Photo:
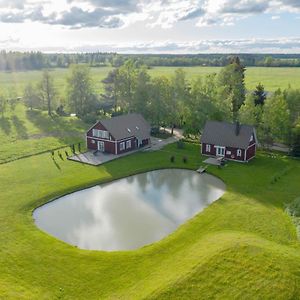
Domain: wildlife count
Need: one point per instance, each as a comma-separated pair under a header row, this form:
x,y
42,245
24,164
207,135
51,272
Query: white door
x,y
220,151
101,146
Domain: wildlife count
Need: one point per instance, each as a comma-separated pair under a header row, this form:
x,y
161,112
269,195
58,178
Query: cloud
x,y
19,4
11,41
78,18
154,13
281,45
34,15
193,14
275,17
119,5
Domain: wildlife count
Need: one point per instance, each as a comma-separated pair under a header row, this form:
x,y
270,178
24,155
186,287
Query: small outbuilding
x,y
119,134
232,141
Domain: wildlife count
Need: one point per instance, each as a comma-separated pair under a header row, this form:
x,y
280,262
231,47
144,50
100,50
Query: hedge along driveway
x,y
248,225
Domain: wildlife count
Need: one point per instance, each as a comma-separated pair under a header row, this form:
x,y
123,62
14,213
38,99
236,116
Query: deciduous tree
x,y
79,90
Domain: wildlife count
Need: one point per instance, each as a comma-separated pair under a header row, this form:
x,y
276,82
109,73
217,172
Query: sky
x,y
151,26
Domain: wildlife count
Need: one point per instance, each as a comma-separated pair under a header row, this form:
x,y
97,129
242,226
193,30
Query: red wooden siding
x,y
251,152
133,145
212,151
230,152
91,143
111,145
234,154
100,127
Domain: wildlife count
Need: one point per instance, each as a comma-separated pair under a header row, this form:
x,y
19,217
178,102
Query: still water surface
x,y
129,213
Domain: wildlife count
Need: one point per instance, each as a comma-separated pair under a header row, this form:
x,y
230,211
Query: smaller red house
x,y
119,134
231,141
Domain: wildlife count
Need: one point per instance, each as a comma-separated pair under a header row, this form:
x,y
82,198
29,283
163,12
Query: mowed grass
x,y
273,78
243,246
24,132
15,82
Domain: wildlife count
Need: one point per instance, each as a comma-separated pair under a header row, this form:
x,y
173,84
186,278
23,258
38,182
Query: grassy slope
x,y
272,78
27,132
242,246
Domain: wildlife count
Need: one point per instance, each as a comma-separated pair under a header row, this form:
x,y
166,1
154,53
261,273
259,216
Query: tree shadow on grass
x,y
5,125
60,127
21,130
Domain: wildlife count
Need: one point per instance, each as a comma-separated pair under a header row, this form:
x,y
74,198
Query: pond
x,y
131,212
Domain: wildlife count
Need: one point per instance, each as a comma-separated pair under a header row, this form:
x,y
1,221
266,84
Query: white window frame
x,y
228,152
239,152
220,151
101,133
128,144
208,148
101,146
122,146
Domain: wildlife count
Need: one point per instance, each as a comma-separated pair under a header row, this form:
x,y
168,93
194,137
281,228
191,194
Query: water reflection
x,y
131,212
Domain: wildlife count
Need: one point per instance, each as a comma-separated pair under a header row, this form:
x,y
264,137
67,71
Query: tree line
x,y
18,61
173,101
187,104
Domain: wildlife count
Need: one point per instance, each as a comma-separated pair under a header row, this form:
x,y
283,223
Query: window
x,y
239,152
220,151
93,142
122,146
207,148
100,133
228,152
251,138
128,144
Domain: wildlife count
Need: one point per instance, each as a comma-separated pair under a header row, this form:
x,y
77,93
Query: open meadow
x,y
272,78
241,246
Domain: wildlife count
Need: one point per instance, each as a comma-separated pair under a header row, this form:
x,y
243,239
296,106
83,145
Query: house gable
x,y
119,134
99,126
239,142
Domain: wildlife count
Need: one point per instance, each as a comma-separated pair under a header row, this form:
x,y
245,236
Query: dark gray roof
x,y
125,126
224,134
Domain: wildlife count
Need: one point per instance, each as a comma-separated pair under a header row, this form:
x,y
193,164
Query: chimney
x,y
237,128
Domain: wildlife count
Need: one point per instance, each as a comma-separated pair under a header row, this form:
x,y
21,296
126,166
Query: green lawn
x,y
243,246
272,78
24,132
14,82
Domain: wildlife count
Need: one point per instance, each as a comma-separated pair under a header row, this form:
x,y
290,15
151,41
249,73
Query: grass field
x,y
243,246
25,132
272,78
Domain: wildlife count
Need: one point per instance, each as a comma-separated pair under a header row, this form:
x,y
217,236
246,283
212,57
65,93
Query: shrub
x,y
73,148
172,159
184,159
60,155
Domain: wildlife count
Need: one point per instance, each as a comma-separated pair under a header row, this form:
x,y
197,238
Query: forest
x,y
21,61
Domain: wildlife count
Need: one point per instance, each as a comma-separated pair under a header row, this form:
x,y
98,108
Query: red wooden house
x,y
231,141
119,134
